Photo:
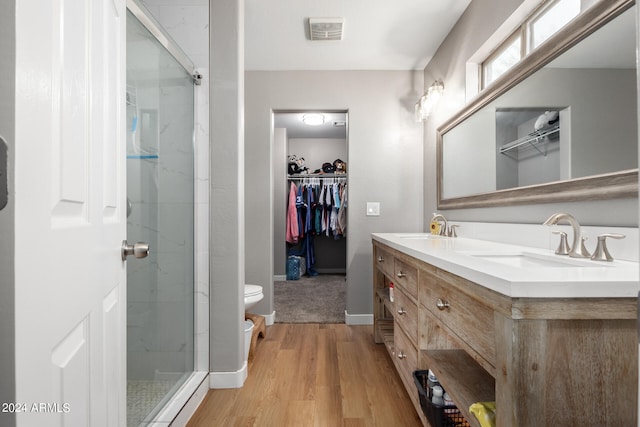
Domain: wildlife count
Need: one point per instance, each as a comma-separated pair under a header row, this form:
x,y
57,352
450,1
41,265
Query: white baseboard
x,y
228,379
358,319
192,404
279,277
270,319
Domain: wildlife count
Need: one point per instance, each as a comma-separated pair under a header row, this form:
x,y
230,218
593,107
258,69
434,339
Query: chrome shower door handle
x,y
138,250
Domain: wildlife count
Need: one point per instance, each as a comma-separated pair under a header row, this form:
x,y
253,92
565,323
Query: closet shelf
x,y
532,139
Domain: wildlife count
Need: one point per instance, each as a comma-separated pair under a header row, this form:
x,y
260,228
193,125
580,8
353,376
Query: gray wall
x,y
479,21
384,163
227,186
317,151
7,133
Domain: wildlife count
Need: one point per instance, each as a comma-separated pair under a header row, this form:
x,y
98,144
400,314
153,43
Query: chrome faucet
x,y
439,217
577,250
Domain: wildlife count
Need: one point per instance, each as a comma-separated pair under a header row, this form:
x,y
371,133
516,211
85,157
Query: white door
x,y
70,213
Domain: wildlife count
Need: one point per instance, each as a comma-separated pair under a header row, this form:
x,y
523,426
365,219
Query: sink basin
x,y
533,260
419,236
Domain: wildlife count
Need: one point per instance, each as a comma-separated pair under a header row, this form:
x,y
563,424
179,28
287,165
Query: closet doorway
x,y
310,209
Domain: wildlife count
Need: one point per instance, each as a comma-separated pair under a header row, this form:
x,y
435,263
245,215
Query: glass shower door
x,y
160,199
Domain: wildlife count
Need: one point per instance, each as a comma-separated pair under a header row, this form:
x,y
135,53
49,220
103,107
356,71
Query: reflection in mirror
x,y
574,118
529,146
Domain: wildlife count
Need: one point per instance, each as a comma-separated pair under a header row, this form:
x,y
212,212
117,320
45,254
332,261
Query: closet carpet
x,y
319,299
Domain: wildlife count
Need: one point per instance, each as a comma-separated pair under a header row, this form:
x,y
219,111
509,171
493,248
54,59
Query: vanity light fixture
x,y
313,119
429,100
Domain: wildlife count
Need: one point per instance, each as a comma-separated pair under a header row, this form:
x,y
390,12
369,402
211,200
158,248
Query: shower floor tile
x,y
143,396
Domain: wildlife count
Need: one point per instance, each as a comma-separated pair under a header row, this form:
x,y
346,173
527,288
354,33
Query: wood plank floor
x,y
313,375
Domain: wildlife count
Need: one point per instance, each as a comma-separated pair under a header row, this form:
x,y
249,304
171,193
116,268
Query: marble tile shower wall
x,y
140,307
161,192
187,21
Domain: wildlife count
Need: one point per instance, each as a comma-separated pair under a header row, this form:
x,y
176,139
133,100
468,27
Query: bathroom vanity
x,y
552,340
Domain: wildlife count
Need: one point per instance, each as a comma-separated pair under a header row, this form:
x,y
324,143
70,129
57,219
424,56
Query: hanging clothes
x,y
314,209
328,203
301,209
317,210
320,209
292,216
335,228
342,212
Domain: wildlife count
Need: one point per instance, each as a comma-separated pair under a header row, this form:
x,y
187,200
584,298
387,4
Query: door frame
x,y
279,180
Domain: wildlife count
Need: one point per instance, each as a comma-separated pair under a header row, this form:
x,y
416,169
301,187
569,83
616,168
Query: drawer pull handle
x,y
441,304
401,355
380,259
401,274
402,311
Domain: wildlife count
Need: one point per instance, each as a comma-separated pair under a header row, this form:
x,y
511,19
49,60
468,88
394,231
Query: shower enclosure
x,y
160,201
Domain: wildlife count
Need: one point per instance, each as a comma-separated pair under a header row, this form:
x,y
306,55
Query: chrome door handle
x,y
401,355
138,250
380,259
402,311
401,274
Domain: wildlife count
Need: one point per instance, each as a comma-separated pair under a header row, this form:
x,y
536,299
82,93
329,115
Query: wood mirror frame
x,y
622,184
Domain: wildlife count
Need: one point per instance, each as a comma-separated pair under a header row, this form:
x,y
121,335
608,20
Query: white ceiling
x,y
331,128
378,34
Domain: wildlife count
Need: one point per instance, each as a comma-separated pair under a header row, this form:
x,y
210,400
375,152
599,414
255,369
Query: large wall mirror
x,y
562,125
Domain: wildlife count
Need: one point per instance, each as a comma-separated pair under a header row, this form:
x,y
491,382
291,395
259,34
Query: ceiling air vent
x,y
326,28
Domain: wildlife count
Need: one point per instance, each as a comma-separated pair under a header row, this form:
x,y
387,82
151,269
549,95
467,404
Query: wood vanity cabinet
x,y
544,361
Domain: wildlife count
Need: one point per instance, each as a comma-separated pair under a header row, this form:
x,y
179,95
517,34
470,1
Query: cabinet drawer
x,y
406,315
407,277
405,357
467,317
384,261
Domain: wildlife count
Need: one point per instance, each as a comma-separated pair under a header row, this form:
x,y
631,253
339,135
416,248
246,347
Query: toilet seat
x,y
252,296
252,290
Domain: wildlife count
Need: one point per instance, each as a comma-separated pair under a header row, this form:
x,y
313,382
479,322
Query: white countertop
x,y
519,271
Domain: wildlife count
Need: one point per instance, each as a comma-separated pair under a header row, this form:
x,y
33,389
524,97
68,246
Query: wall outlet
x,y
373,208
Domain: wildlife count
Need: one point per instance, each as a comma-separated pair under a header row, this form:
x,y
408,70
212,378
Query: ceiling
x,y
378,34
334,126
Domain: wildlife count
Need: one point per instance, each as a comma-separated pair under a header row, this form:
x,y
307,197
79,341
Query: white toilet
x,y
252,295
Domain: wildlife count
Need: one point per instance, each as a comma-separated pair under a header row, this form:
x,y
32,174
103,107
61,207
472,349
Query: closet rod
x,y
298,177
531,139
